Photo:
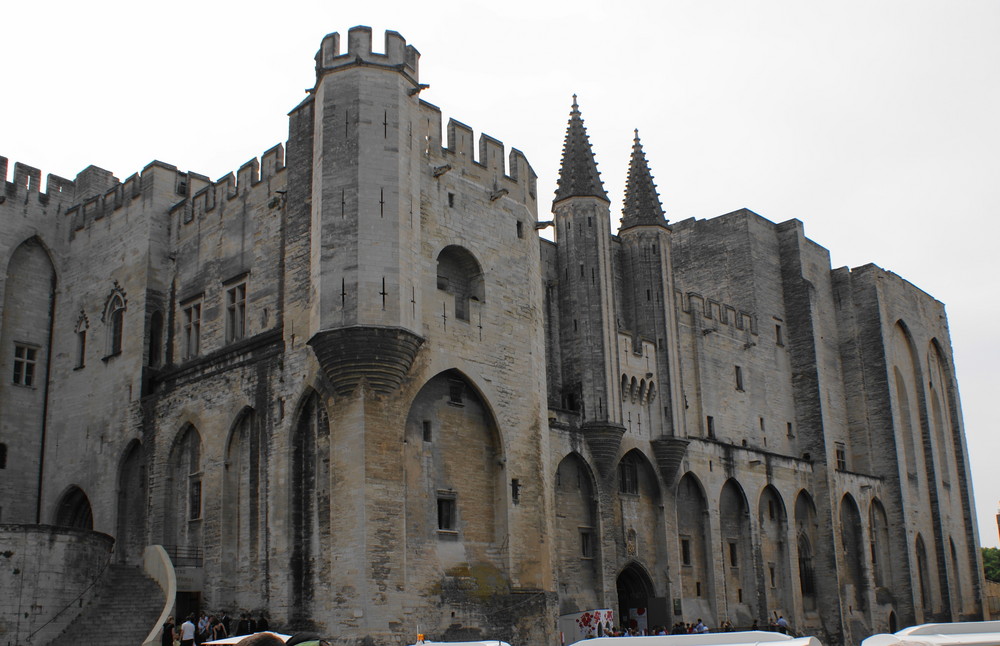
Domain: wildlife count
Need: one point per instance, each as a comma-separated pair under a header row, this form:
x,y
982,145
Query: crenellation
x,y
247,175
699,306
272,161
28,177
460,141
397,54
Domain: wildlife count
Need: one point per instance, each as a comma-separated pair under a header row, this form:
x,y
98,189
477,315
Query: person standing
x,y
782,625
168,634
187,631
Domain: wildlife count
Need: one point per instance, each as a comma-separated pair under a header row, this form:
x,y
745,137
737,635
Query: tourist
x,y
168,635
187,631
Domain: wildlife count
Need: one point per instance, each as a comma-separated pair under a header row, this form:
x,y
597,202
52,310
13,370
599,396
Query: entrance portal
x,y
635,593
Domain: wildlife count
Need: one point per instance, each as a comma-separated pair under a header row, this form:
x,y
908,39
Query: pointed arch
x,y
29,290
851,540
772,519
737,553
925,599
183,505
635,589
310,503
878,523
578,535
694,538
906,375
242,505
73,509
807,539
114,319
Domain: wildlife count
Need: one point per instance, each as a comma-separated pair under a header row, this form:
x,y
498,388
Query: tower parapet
x,y
28,179
397,54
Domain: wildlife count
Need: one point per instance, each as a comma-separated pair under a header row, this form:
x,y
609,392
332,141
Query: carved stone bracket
x,y
604,439
669,452
382,355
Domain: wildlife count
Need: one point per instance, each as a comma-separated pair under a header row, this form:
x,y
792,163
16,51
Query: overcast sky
x,y
873,122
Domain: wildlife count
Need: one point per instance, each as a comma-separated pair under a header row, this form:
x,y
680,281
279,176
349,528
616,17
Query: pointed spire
x,y
642,202
578,176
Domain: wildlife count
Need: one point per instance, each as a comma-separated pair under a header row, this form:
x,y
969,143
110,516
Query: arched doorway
x,y
635,590
74,510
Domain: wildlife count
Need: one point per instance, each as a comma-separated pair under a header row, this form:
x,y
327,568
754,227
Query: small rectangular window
x,y
739,378
81,347
790,433
236,311
734,560
779,339
428,430
520,229
25,359
685,551
770,569
586,543
841,456
628,481
3,456
451,200
697,588
446,513
710,426
456,391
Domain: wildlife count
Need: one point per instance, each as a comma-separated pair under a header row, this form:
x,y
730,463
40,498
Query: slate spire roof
x,y
578,175
642,202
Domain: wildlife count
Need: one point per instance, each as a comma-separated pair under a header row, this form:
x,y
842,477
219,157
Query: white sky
x,y
873,122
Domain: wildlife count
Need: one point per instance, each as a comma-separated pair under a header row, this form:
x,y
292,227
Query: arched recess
x,y
736,547
638,511
25,335
807,540
851,539
243,493
882,570
456,505
578,557
460,274
693,534
183,526
310,501
906,375
938,390
74,510
773,520
927,599
635,589
131,524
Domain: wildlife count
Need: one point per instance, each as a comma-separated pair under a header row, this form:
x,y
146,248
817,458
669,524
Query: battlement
x,y
206,198
405,58
512,171
28,179
695,304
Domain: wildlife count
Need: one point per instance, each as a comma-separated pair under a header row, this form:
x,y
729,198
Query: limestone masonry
x,y
350,385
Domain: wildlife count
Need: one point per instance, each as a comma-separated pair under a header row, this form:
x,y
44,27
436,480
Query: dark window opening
x,y
427,430
739,595
3,456
734,560
456,392
25,359
586,544
841,457
697,588
739,378
194,500
710,426
236,312
685,551
628,476
770,569
520,229
778,336
451,200
446,514
790,433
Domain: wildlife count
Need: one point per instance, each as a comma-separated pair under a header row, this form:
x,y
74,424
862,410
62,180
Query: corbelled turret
x,y
578,175
642,202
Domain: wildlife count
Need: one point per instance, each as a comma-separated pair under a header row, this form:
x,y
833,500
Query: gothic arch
x,y
635,589
736,547
73,509
807,541
113,317
775,566
926,599
693,534
906,375
578,555
310,493
878,523
242,506
131,522
851,539
183,527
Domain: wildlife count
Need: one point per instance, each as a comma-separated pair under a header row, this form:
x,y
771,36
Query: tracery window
x,y
114,318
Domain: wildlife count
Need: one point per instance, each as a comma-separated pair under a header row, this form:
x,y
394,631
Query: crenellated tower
x,y
648,300
586,299
365,199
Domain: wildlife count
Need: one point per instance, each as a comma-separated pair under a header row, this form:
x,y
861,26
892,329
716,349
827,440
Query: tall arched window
x,y
459,274
114,319
81,339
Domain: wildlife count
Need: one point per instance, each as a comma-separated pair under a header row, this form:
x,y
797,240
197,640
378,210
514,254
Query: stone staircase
x,y
122,613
